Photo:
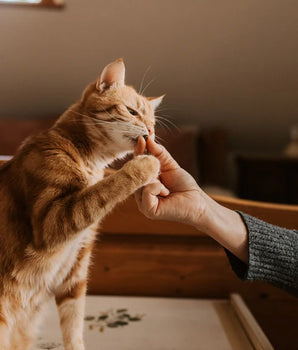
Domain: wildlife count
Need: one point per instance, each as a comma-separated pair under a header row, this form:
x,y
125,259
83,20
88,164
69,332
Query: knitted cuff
x,y
273,255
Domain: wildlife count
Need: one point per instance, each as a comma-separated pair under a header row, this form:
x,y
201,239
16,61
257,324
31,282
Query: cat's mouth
x,y
135,139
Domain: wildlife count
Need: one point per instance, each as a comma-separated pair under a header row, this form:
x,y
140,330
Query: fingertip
x,y
140,146
164,192
153,147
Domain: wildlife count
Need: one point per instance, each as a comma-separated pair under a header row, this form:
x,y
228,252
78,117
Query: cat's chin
x,y
124,154
128,144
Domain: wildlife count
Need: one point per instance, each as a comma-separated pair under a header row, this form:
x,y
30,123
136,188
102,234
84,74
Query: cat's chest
x,y
43,273
64,261
93,172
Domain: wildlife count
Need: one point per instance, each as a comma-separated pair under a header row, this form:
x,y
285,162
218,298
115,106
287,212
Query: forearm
x,y
58,219
256,250
225,226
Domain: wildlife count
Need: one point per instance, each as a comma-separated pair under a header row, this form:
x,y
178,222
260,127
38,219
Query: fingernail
x,y
165,191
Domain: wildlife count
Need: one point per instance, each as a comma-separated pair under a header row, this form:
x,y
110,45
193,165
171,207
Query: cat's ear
x,y
112,75
155,101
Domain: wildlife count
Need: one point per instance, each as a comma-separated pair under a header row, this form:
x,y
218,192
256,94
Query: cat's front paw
x,y
143,169
74,346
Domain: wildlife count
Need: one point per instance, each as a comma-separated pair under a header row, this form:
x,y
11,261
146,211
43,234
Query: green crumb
x,y
102,317
89,318
121,310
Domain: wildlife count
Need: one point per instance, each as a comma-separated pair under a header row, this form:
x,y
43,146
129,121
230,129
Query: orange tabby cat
x,y
52,197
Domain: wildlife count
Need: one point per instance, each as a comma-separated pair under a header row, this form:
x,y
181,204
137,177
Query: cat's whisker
x,y
112,126
123,127
163,116
143,79
158,139
88,116
160,119
146,87
78,121
128,130
75,112
166,120
163,108
164,125
119,123
106,112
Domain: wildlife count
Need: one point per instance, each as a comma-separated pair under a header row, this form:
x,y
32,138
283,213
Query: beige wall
x,y
232,63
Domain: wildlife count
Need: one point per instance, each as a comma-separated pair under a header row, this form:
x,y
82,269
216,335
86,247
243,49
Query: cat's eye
x,y
94,111
131,111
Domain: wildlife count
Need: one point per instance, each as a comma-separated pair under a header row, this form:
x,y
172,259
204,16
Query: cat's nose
x,y
150,129
152,136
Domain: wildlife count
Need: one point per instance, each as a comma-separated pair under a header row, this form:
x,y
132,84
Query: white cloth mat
x,y
145,324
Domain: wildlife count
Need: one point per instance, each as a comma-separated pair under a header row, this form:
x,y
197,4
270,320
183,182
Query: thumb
x,y
167,162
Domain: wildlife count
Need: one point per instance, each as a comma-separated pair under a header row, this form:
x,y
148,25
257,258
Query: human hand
x,y
175,196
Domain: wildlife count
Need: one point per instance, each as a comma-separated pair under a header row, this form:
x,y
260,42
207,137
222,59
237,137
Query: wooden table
x,y
135,323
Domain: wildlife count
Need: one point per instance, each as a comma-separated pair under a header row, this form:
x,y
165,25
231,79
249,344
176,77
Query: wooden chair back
x,y
283,215
138,256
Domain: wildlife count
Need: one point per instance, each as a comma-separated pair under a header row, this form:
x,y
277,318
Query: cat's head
x,y
117,112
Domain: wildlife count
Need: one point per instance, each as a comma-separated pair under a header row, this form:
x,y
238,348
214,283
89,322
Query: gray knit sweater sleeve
x,y
273,255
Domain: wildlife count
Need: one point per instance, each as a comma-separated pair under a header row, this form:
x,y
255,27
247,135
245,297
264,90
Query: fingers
x,y
167,162
164,192
148,199
140,147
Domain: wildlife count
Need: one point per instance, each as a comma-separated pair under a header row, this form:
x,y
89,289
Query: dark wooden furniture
x,y
136,256
272,178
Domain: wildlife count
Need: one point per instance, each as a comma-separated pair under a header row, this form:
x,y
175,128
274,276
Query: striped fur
x,y
53,196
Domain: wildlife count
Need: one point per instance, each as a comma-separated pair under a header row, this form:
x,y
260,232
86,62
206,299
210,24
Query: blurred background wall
x,y
221,63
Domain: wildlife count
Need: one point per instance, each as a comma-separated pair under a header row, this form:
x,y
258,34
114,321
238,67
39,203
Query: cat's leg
x,y
6,324
23,332
68,216
22,336
70,300
4,335
71,311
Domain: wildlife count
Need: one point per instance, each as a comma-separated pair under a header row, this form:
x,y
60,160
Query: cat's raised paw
x,y
143,169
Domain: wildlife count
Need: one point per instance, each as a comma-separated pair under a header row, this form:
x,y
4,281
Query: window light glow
x,y
21,1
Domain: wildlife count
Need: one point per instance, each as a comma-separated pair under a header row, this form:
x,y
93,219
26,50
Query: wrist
x,y
199,212
225,226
